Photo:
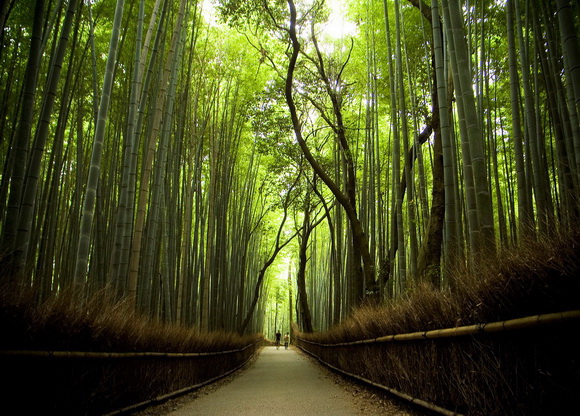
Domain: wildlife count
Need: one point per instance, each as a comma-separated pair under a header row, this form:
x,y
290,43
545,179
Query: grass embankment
x,y
527,372
75,385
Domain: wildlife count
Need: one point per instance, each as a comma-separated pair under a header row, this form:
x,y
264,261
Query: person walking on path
x,y
278,337
286,340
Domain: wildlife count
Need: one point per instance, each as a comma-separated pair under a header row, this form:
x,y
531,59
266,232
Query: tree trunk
x,y
306,316
95,167
365,277
22,139
429,261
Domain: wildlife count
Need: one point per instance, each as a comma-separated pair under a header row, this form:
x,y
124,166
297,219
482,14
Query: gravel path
x,y
285,382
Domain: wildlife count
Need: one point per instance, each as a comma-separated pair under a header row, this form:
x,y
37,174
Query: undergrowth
x,y
542,276
97,324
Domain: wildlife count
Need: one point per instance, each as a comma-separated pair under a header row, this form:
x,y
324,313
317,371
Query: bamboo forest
x,y
243,167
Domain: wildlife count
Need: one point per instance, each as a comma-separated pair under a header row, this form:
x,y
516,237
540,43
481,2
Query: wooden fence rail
x,y
108,355
98,383
501,326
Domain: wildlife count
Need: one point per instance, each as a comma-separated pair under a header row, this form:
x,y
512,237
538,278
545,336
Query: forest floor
x,y
283,382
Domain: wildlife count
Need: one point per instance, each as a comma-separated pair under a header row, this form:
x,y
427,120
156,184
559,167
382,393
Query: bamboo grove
x,y
176,151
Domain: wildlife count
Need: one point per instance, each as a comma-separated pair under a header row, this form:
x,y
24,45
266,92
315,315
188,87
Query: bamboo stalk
x,y
501,326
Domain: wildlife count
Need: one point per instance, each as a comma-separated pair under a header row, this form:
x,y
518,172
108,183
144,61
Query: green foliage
x,y
270,121
253,13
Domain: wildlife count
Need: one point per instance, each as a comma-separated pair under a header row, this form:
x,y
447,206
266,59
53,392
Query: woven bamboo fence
x,y
97,383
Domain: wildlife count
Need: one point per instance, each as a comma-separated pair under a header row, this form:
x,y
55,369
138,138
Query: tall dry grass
x,y
541,276
92,386
97,324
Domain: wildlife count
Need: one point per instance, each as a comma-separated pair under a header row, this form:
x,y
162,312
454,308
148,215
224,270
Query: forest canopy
x,y
213,160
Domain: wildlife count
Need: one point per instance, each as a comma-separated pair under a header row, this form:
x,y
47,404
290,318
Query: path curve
x,y
281,382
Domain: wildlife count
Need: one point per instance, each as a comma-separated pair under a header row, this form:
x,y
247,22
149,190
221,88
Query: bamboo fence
x,y
108,355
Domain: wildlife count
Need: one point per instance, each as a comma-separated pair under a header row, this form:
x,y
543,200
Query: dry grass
x,y
541,277
99,324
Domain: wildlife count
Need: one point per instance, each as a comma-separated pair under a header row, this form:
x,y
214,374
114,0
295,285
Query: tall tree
x,y
279,244
364,274
29,196
22,137
481,221
90,198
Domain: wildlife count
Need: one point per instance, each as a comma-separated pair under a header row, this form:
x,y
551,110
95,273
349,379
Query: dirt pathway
x,y
285,382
